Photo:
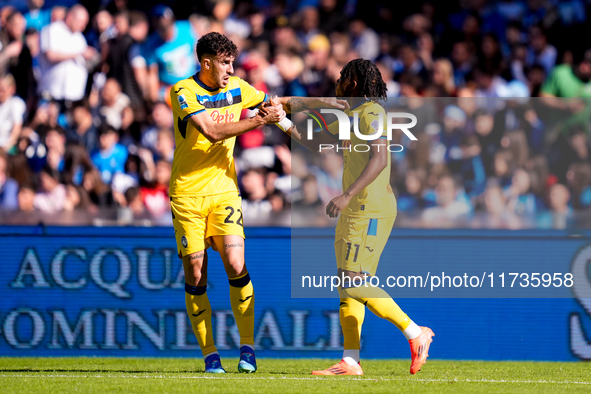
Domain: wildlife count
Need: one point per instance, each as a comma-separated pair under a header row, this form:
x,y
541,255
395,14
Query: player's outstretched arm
x,y
216,132
377,162
295,104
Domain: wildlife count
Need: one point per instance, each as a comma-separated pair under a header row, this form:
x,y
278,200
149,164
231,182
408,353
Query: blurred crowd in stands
x,y
86,126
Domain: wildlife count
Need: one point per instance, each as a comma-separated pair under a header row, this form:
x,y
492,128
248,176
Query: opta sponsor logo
x,y
222,117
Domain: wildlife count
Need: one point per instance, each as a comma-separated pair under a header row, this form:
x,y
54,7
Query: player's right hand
x,y
272,112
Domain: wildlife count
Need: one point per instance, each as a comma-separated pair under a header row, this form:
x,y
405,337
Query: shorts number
x,y
227,220
349,251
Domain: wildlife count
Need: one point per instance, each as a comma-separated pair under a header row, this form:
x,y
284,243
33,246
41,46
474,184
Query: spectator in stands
x,y
64,53
329,176
443,79
55,142
120,53
259,37
8,186
454,120
411,63
410,85
489,137
161,119
103,29
411,198
449,207
488,83
540,51
364,39
503,167
520,200
489,53
26,70
309,19
115,106
76,163
284,36
37,17
462,62
332,18
12,112
138,30
560,211
165,145
569,81
83,129
58,13
255,204
26,197
52,195
155,197
310,196
110,156
472,167
290,68
535,79
98,191
497,215
169,52
260,73
134,201
579,181
315,77
11,44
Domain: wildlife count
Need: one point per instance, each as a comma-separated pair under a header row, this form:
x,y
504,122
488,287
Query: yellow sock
x,y
199,312
351,313
380,303
242,300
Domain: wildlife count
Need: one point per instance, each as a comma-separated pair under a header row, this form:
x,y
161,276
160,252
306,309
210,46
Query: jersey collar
x,y
204,86
359,104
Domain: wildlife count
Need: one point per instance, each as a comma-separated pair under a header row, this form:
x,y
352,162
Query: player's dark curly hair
x,y
216,44
368,77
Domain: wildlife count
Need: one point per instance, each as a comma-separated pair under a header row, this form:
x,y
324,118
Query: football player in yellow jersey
x,y
204,195
367,210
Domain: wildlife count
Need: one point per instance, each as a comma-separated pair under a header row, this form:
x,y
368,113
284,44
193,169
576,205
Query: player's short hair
x,y
216,44
368,77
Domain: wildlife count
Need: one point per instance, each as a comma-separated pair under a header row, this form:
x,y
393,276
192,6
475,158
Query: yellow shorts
x,y
196,219
359,242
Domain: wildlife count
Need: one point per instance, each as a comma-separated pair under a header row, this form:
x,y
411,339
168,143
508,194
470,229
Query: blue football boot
x,y
213,364
248,362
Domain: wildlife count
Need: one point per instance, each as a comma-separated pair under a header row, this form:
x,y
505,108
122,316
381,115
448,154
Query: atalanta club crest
x,y
184,241
229,98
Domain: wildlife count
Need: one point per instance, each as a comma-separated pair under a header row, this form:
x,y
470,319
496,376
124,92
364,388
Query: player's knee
x,y
193,280
236,266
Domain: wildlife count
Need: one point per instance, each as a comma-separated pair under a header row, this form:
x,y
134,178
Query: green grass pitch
x,y
277,376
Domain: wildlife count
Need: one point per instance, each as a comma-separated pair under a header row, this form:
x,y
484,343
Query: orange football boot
x,y
419,349
341,368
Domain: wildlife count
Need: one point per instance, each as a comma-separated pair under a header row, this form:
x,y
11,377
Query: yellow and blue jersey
x,y
377,199
201,168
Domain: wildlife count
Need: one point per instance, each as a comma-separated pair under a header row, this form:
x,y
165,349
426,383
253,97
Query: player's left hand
x,y
333,102
336,205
